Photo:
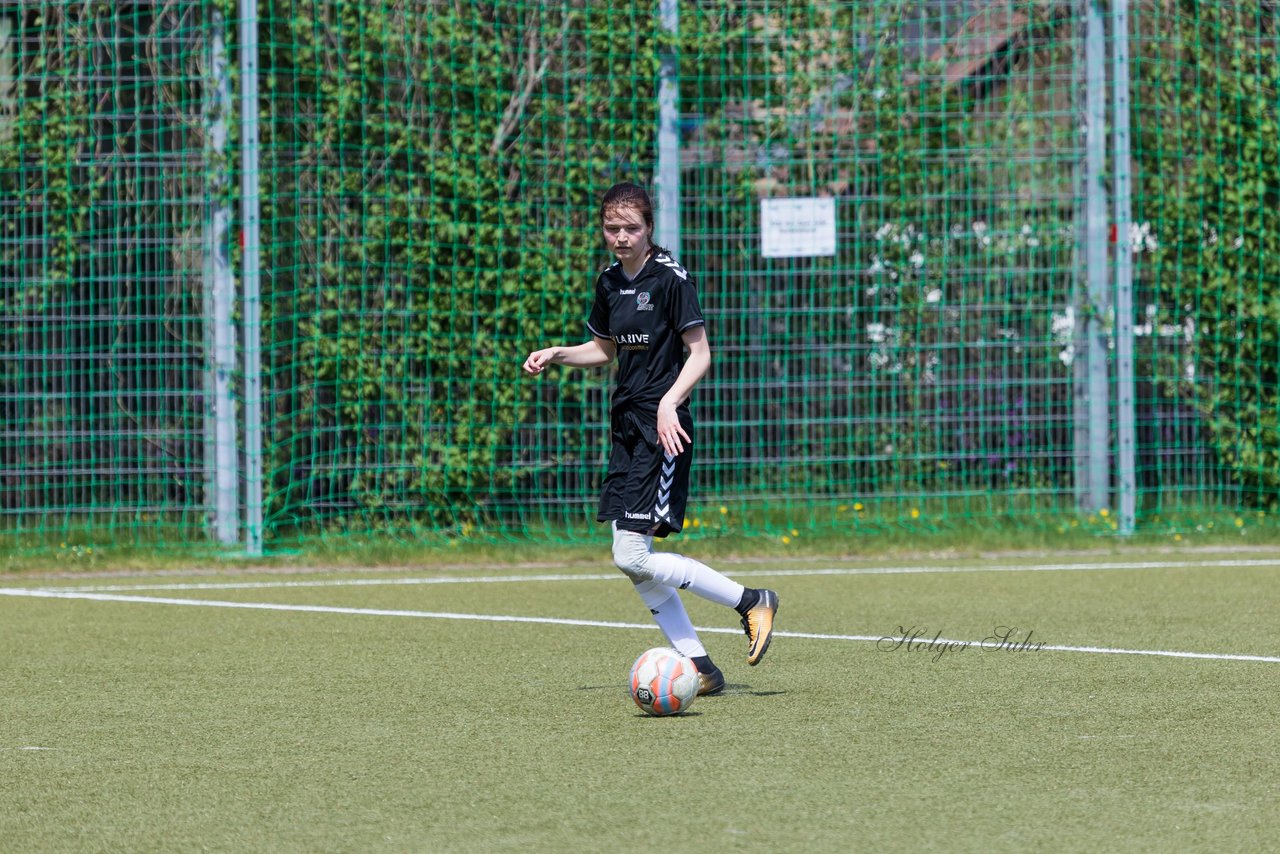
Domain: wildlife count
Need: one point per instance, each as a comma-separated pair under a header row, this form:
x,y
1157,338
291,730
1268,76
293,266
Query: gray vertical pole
x,y
1092,461
214,58
1125,416
249,214
8,78
221,469
667,180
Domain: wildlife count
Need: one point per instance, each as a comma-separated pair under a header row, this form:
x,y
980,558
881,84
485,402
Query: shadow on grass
x,y
732,689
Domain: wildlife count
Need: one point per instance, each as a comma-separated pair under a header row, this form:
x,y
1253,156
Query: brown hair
x,y
632,195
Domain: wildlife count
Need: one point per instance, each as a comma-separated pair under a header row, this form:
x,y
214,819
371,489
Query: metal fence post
x,y
222,471
249,213
1093,473
667,179
1126,484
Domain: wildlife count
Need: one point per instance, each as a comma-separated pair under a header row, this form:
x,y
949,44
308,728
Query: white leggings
x,y
633,554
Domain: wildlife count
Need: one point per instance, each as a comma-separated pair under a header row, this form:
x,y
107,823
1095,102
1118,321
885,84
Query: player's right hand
x,y
539,359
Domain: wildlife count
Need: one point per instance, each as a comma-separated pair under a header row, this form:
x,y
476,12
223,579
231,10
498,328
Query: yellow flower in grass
x,y
915,513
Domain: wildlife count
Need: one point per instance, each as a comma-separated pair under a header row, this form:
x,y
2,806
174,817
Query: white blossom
x,y
930,375
1210,234
1063,326
1141,238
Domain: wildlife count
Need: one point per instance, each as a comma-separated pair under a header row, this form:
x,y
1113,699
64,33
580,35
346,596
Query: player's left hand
x,y
670,433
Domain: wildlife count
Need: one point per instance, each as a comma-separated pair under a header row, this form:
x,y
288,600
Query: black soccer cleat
x,y
710,683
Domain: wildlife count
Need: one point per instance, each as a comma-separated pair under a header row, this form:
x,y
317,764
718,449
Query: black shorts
x,y
645,490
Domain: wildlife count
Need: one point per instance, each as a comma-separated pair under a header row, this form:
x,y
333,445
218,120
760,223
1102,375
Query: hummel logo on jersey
x,y
628,292
667,261
642,302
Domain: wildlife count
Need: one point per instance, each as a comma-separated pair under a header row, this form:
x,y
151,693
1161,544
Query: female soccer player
x,y
646,315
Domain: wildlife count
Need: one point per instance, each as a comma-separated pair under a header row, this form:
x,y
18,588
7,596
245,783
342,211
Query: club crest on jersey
x,y
642,302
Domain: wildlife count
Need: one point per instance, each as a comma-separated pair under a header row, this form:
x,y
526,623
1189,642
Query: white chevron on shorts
x,y
663,507
668,261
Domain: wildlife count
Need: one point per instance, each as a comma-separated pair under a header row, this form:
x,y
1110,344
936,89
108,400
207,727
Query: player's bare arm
x,y
670,433
590,354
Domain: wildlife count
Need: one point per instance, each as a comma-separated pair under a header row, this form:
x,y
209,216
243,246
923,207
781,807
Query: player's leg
x,y
664,479
663,602
658,571
669,613
655,493
633,553
645,492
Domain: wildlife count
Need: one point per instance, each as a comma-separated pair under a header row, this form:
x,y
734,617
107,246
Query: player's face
x,y
626,235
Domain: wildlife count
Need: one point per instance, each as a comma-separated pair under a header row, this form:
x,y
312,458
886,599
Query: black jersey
x,y
645,318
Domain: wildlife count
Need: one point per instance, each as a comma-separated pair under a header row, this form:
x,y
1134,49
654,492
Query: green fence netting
x,y
430,173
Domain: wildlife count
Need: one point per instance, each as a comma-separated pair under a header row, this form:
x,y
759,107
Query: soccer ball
x,y
664,682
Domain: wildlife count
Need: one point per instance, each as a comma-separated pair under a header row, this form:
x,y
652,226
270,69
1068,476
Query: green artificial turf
x,y
134,726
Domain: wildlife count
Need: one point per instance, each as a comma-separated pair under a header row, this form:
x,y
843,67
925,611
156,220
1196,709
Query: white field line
x,y
558,621
617,576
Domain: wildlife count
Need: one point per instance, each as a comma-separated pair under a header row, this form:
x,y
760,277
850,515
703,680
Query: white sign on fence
x,y
797,227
